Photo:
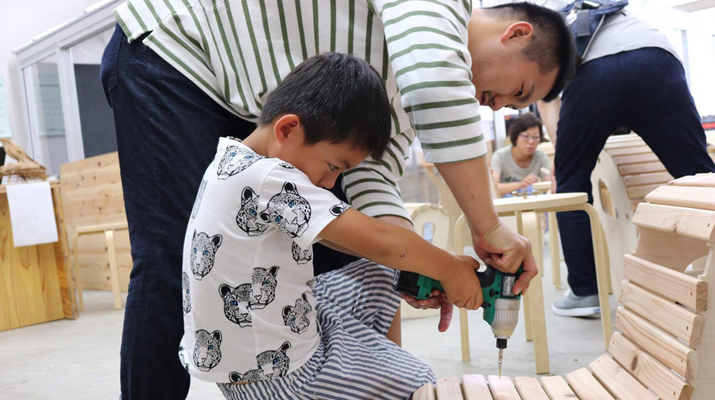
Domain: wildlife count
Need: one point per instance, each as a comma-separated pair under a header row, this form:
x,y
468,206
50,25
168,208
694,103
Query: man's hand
x,y
437,300
505,250
529,180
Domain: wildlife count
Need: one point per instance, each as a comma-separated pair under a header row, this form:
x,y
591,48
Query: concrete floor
x,y
80,359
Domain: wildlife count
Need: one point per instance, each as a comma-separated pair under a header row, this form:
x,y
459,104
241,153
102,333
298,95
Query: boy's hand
x,y
529,180
461,286
436,301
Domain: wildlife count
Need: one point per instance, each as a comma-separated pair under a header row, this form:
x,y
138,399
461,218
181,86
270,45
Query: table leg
x,y
554,249
602,275
113,271
464,328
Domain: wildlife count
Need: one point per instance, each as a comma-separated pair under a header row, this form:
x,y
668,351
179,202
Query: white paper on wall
x,y
31,213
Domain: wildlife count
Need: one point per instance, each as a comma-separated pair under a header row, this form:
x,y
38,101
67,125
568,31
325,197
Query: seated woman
x,y
517,167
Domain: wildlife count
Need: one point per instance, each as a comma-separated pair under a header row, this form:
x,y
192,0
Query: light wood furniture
x,y
92,196
35,284
527,212
664,346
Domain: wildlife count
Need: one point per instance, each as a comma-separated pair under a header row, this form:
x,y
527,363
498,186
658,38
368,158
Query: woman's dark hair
x,y
552,43
521,124
339,98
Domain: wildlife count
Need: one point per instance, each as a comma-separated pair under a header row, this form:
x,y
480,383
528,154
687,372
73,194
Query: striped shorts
x,y
354,360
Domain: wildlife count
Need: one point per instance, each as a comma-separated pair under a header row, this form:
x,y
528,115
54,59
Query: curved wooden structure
x,y
663,346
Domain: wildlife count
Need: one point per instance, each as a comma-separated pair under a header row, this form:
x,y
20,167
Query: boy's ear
x,y
288,129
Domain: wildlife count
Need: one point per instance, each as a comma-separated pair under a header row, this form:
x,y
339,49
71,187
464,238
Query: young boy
x,y
257,321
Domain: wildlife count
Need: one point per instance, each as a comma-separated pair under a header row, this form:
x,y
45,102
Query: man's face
x,y
514,83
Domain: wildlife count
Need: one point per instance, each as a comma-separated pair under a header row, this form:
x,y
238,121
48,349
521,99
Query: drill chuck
x,y
506,316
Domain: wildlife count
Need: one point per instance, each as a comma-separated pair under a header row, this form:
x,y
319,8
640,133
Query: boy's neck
x,y
260,140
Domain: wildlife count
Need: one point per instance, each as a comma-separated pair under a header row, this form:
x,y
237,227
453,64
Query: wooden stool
x,y
108,230
529,225
663,348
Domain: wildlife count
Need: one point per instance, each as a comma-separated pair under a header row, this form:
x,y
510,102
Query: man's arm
x,y
550,115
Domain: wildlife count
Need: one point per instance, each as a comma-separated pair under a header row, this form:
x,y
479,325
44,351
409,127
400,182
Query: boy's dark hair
x,y
339,98
551,44
521,124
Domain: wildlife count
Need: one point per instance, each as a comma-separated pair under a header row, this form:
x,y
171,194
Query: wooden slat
x,y
475,388
647,179
660,344
623,138
635,159
529,388
622,151
704,180
502,388
618,381
667,315
586,386
541,202
665,282
690,222
649,371
426,392
557,388
639,192
636,169
448,389
692,197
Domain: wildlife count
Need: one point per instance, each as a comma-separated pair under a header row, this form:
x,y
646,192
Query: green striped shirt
x,y
238,51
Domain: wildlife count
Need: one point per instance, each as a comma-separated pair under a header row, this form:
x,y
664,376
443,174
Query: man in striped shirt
x,y
181,73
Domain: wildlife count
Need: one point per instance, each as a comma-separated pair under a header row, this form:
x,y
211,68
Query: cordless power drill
x,y
501,305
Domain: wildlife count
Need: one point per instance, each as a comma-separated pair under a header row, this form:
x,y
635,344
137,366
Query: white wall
x,y
20,21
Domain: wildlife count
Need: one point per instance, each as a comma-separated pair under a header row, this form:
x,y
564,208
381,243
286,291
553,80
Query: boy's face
x,y
323,162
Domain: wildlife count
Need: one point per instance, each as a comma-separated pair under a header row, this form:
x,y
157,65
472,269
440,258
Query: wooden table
x,y
35,284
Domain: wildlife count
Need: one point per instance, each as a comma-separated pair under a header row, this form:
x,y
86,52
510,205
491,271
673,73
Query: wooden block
x,y
629,150
690,222
448,389
660,344
426,392
475,388
639,192
557,388
586,386
647,179
667,315
635,159
649,371
645,168
529,388
703,180
539,203
691,197
502,388
618,381
665,282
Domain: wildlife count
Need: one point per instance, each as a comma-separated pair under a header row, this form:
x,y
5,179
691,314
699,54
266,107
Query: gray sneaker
x,y
577,306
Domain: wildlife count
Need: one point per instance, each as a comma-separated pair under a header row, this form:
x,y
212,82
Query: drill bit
x,y
501,360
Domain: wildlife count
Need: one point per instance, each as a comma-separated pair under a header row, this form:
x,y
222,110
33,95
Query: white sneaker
x,y
577,306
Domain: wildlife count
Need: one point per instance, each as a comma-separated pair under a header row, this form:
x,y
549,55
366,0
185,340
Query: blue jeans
x,y
167,133
644,90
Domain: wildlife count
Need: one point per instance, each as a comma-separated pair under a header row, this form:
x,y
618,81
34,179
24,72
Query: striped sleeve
x,y
427,47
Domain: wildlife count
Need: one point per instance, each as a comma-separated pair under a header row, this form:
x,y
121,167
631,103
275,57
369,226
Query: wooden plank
x,y
502,388
673,285
586,386
475,388
630,150
623,138
690,222
426,392
618,381
649,371
449,389
529,388
635,159
667,315
623,144
704,180
639,192
645,168
660,344
647,179
541,203
692,197
557,388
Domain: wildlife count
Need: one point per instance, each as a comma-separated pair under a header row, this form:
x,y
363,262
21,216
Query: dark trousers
x,y
167,133
644,90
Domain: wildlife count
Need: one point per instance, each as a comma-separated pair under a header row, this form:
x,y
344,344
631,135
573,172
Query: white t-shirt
x,y
249,312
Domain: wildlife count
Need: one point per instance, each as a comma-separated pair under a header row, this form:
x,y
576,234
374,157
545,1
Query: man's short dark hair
x,y
521,124
339,98
551,44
